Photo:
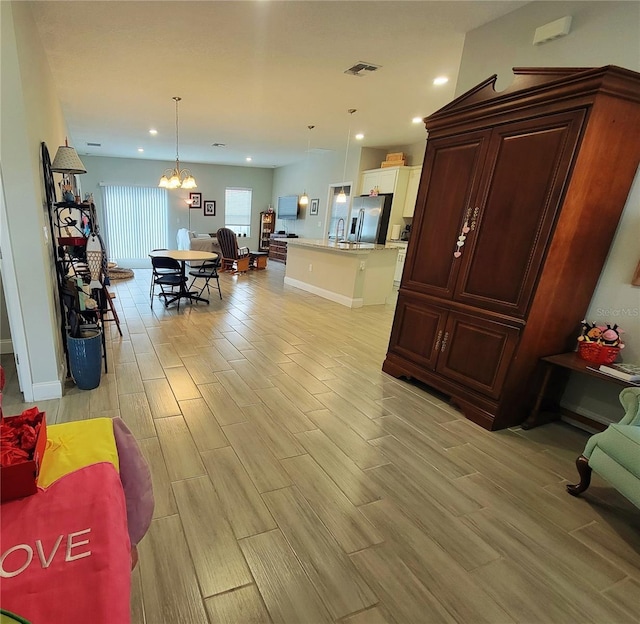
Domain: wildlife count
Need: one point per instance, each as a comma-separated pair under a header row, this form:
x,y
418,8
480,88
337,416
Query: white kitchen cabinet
x,y
384,179
388,180
412,191
402,254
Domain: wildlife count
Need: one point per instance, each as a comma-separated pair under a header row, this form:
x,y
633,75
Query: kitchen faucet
x,y
360,224
340,221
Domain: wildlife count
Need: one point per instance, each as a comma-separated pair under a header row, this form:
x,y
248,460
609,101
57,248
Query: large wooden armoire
x,y
519,199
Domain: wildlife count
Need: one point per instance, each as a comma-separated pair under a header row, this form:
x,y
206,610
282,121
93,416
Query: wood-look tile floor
x,y
296,483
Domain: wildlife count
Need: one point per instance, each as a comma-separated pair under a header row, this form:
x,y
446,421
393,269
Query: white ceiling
x,y
252,75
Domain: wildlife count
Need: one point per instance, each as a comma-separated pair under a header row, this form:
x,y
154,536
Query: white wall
x,y
602,33
324,170
31,113
212,181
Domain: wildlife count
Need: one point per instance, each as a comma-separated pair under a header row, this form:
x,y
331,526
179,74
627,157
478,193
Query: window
x,y
136,221
237,210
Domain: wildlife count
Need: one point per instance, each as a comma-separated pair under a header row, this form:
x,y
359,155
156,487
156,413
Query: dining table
x,y
183,256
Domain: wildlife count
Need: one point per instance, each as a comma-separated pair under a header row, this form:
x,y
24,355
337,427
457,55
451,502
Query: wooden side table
x,y
259,259
556,372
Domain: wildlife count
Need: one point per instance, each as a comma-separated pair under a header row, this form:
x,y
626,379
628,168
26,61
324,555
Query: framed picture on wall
x,y
209,208
196,200
313,206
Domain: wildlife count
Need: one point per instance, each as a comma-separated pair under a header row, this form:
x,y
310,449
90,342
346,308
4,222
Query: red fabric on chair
x,y
66,552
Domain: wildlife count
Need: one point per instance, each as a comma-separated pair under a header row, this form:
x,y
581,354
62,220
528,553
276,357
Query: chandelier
x,y
177,178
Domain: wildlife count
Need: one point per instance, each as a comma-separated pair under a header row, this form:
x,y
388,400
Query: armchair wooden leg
x,y
584,470
242,265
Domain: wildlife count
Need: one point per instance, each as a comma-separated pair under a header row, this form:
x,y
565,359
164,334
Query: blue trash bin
x,y
85,358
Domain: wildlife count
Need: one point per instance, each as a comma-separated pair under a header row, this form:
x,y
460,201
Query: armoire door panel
x,y
448,186
529,165
477,352
418,332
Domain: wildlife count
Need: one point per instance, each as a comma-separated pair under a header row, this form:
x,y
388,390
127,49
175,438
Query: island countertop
x,y
332,245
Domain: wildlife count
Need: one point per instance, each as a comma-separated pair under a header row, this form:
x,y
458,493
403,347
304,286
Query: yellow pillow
x,y
74,445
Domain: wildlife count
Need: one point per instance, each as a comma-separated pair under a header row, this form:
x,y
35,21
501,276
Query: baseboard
x,y
582,421
325,294
6,346
47,390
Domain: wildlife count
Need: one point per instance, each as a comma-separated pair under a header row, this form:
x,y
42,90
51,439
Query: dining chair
x,y
167,274
207,271
153,276
233,256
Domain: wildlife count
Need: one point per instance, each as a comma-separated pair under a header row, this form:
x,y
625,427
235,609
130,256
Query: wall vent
x,y
218,145
360,68
552,30
94,144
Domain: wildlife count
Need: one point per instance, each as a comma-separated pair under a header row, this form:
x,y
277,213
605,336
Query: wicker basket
x,y
597,353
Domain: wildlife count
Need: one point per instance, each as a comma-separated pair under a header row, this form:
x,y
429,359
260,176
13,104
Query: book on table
x,y
622,370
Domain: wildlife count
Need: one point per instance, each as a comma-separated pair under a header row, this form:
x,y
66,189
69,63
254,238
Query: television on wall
x,y
288,207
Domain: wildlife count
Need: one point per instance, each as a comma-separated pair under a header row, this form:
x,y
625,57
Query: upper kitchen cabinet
x,y
388,180
519,198
412,192
384,179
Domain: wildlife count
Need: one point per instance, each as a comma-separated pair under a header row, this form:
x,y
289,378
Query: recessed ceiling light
x,y
248,159
416,120
153,131
140,149
360,136
440,80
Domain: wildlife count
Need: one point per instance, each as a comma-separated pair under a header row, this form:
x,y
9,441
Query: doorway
x,y
338,213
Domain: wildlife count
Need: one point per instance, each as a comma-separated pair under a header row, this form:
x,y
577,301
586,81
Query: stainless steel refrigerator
x,y
369,219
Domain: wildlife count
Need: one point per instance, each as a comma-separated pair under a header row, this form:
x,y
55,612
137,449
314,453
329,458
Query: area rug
x,y
117,273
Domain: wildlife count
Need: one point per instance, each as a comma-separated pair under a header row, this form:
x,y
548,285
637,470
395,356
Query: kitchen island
x,y
352,274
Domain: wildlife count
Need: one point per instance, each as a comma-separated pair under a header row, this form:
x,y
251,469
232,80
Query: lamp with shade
x,y
68,163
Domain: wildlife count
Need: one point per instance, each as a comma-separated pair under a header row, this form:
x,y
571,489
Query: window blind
x,y
136,221
237,210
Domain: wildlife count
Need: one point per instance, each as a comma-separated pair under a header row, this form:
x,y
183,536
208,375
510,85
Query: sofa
x,y
615,452
188,240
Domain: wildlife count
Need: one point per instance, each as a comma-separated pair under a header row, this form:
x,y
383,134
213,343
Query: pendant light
x,y
178,178
304,198
342,196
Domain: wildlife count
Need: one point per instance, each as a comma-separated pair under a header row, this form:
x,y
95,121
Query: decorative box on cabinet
x,y
278,248
534,179
267,226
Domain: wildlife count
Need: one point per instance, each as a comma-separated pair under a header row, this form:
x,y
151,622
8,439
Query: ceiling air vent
x,y
94,144
360,67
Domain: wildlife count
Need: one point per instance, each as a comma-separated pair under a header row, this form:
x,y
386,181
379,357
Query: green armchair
x,y
615,453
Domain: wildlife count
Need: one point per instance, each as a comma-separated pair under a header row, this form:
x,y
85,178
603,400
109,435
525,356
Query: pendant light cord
x,y
346,154
306,172
177,99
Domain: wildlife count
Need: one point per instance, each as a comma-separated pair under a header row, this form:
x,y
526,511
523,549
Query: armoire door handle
x,y
463,234
444,342
438,340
